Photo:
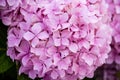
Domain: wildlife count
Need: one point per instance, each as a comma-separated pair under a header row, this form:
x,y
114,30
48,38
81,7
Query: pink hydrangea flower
x,y
58,39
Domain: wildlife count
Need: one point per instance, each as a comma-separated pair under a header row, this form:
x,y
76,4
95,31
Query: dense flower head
x,y
57,39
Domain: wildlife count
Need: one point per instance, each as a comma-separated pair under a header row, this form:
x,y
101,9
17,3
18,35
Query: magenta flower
x,y
62,39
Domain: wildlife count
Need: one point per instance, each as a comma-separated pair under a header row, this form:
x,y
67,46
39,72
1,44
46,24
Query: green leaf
x,y
8,76
23,77
5,63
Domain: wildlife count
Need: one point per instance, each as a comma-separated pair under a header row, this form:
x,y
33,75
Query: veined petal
x,y
36,28
34,42
28,36
73,47
43,35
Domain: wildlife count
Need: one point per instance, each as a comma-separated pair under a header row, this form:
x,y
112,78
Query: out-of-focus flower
x,y
111,68
57,39
114,6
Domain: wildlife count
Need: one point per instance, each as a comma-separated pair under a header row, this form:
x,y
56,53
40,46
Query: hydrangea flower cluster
x,y
57,39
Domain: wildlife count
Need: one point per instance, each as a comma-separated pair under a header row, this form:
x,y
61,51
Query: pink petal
x,y
62,65
117,38
88,59
65,41
73,47
83,1
24,26
32,74
117,9
24,46
11,2
56,34
64,53
76,35
43,35
54,74
92,1
62,73
64,17
25,60
66,34
36,28
35,42
75,68
57,42
65,25
37,66
12,40
28,36
48,63
85,44
11,53
20,55
37,51
2,3
51,50
7,20
74,28
56,58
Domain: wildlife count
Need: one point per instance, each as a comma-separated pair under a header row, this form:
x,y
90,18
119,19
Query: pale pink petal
x,y
2,3
76,35
62,65
75,68
64,53
117,38
32,74
25,60
54,74
65,41
64,17
48,63
7,20
51,50
43,35
92,1
35,42
37,66
88,59
61,73
56,58
11,2
73,47
37,51
65,25
28,36
57,42
117,9
36,28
